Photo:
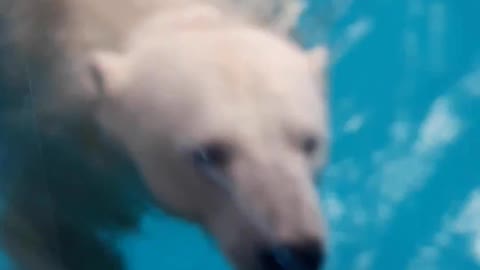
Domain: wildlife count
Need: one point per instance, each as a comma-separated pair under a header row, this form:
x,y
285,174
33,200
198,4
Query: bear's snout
x,y
307,255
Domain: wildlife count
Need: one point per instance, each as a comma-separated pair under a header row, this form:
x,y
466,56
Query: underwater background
x,y
402,188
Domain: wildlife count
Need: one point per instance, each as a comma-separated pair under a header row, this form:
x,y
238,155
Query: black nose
x,y
303,256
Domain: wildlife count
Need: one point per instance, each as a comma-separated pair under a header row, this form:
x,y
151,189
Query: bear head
x,y
228,126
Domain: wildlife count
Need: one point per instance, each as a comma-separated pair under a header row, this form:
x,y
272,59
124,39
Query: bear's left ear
x,y
107,72
318,59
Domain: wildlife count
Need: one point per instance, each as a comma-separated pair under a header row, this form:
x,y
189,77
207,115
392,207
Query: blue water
x,y
402,190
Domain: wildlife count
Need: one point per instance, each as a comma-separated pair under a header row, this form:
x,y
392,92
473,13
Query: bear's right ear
x,y
107,72
318,58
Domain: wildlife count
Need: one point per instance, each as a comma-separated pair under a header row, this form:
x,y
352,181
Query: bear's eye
x,y
213,155
309,145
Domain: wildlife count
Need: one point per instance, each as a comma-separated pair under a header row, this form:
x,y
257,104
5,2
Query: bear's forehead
x,y
234,56
221,82
222,65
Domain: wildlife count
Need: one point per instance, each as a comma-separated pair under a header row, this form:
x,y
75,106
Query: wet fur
x,y
63,182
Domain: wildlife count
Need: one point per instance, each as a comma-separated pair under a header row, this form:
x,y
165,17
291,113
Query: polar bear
x,y
224,119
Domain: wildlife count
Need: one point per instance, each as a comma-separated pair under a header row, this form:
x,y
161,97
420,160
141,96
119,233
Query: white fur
x,y
170,76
